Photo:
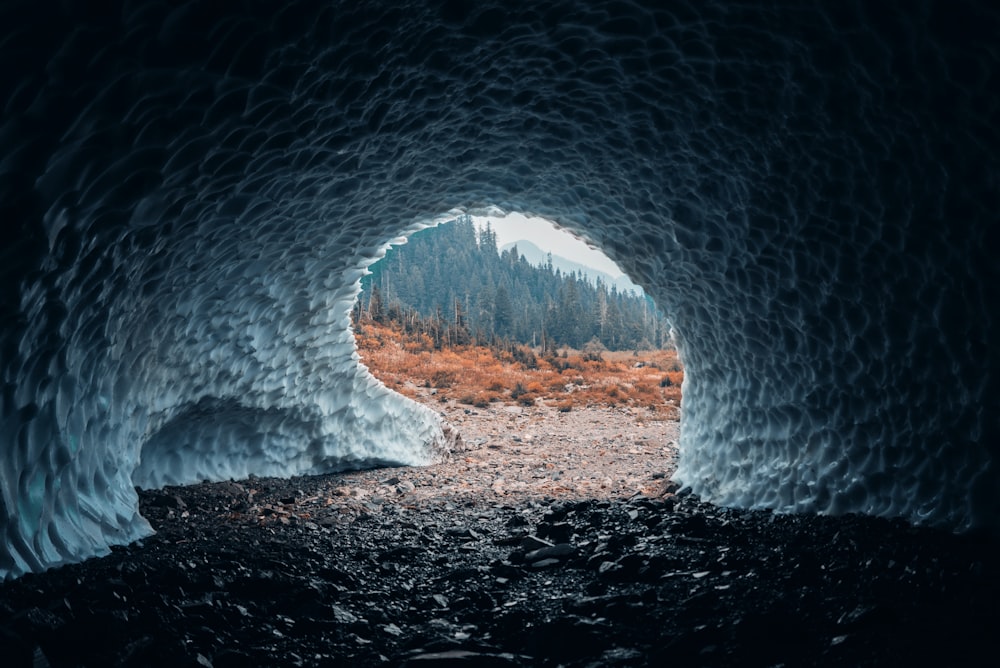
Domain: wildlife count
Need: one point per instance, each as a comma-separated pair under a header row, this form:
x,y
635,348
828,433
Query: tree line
x,y
452,282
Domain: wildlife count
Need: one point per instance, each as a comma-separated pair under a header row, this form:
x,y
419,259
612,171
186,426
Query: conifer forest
x,y
452,283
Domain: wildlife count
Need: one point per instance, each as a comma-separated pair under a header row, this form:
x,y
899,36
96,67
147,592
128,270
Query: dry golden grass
x,y
479,376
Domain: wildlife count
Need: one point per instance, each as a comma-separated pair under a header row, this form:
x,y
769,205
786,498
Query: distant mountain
x,y
536,256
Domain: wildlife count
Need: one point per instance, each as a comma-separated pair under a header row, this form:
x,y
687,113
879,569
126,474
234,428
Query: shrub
x,y
478,375
526,399
557,385
525,357
443,379
593,349
673,393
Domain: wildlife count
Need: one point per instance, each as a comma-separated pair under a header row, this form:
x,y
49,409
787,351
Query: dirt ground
x,y
523,453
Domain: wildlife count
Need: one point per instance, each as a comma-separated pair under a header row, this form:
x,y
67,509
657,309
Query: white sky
x,y
542,233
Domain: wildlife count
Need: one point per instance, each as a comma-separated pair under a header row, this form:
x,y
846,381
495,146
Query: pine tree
x,y
503,312
457,270
375,311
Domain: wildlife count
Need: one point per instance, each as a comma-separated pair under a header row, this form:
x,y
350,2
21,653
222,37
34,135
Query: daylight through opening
x,y
529,342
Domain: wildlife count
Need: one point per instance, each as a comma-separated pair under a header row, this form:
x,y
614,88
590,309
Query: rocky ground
x,y
547,539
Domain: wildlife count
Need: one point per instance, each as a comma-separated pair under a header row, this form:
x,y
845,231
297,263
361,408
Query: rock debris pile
x,y
440,566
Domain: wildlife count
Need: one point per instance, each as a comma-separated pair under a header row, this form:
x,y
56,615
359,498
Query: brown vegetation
x,y
480,375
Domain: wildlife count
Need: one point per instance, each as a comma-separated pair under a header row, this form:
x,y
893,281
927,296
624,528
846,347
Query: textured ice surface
x,y
190,192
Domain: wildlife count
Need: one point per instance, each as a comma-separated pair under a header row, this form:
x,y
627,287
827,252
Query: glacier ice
x,y
191,192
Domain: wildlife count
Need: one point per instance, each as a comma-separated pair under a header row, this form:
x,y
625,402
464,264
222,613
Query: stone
x,y
568,638
342,615
559,532
533,542
608,567
460,657
559,552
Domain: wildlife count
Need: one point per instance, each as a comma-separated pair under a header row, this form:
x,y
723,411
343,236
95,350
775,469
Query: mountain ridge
x,y
536,256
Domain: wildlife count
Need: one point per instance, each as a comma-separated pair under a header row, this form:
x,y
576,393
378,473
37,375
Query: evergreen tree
x,y
375,304
451,282
503,312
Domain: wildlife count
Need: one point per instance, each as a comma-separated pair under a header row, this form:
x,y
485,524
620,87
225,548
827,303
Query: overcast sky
x,y
541,232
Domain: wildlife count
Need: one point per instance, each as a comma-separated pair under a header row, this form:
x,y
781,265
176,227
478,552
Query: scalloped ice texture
x,y
190,195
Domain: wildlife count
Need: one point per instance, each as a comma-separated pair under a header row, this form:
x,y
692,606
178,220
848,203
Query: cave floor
x,y
528,547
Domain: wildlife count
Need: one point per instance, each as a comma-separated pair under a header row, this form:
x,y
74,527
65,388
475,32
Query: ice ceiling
x,y
190,192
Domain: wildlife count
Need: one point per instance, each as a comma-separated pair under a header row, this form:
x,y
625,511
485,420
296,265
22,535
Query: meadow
x,y
479,375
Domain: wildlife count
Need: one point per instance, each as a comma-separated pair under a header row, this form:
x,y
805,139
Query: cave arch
x,y
194,191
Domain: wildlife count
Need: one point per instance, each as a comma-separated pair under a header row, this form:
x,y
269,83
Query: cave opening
x,y
513,330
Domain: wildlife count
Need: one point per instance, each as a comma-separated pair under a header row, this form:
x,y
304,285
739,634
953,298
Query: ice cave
x,y
190,192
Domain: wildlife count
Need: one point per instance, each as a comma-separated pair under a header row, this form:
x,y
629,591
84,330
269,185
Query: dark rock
x,y
608,568
600,556
558,532
621,542
251,590
167,501
630,565
462,532
568,638
516,557
18,648
342,615
400,553
556,513
866,615
558,552
461,657
530,543
461,574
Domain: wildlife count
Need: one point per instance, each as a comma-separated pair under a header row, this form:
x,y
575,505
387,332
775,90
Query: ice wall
x,y
190,191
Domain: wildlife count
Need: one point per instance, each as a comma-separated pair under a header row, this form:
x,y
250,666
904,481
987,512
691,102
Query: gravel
x,y
566,547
